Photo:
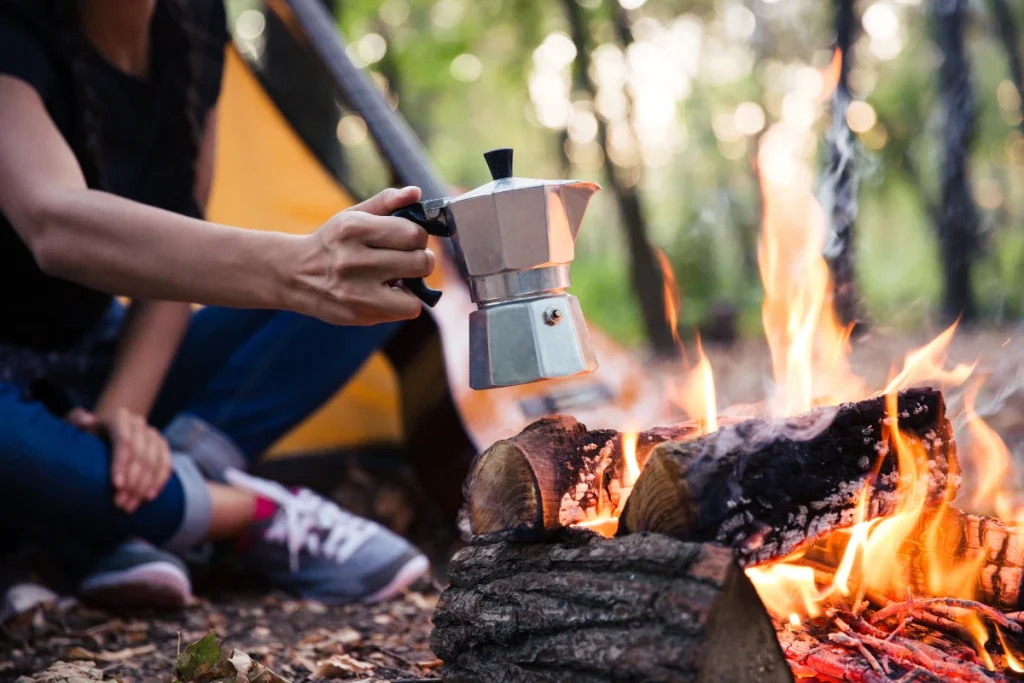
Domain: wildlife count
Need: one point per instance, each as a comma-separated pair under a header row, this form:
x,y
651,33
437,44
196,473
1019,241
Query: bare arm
x,y
339,273
154,329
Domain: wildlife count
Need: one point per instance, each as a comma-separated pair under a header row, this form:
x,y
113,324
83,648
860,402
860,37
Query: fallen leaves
x,y
78,652
206,661
340,665
65,672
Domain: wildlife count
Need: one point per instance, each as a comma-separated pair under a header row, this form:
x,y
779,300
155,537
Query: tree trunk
x,y
958,226
645,273
839,187
585,609
770,488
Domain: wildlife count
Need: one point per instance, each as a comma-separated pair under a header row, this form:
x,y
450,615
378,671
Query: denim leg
x,y
55,483
282,367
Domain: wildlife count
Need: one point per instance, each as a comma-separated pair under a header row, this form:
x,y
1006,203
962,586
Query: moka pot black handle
x,y
416,213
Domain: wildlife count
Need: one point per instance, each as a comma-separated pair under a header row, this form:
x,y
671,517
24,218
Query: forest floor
x,y
390,641
298,640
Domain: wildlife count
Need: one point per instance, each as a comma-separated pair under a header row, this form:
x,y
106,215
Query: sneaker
x,y
317,550
135,575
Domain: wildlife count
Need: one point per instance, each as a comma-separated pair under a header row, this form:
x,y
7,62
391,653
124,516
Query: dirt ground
x,y
390,642
385,642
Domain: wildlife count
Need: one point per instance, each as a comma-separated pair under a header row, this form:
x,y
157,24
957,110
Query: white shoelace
x,y
306,521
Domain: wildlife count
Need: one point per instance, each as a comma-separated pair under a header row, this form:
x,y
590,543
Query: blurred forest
x,y
664,102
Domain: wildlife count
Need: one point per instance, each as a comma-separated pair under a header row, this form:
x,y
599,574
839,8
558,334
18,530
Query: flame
x,y
1012,660
696,394
808,345
831,74
988,454
668,278
629,440
926,365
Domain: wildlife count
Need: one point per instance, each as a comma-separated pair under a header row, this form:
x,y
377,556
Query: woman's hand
x,y
348,266
141,463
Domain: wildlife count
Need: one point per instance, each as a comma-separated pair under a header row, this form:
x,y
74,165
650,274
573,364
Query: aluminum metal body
x,y
514,238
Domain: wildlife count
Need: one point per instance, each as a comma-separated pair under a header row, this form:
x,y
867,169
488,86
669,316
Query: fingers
x,y
388,232
396,304
396,265
155,465
388,200
122,451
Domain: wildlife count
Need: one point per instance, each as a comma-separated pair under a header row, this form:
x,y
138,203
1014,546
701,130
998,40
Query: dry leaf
x,y
348,636
78,652
338,666
66,672
430,664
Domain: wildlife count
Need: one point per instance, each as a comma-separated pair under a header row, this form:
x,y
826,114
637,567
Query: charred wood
x,y
586,609
768,488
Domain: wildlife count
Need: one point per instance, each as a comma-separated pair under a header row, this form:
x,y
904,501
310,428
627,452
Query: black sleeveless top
x,y
140,160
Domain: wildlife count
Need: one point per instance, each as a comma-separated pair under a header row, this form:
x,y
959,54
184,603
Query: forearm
x,y
126,248
148,344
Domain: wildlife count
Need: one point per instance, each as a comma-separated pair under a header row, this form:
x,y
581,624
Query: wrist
x,y
293,286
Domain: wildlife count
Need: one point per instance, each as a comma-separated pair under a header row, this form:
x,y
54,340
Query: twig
x,y
899,630
854,642
857,623
927,603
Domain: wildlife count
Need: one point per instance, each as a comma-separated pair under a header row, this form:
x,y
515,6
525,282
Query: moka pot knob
x,y
499,161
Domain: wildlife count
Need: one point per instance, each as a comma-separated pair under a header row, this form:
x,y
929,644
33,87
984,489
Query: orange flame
x,y
926,365
808,345
629,440
668,278
987,453
1011,659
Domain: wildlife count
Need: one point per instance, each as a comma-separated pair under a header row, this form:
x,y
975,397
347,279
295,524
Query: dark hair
x,y
175,64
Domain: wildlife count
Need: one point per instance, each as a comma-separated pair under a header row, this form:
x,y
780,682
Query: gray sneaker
x,y
308,545
137,574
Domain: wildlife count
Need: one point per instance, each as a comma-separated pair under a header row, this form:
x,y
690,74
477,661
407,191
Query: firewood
x,y
515,488
769,488
949,537
580,608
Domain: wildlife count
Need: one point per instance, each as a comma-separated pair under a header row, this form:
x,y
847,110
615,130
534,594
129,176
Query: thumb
x,y
391,199
82,418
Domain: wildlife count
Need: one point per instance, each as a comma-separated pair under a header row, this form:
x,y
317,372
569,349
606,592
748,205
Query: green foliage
x,y
703,204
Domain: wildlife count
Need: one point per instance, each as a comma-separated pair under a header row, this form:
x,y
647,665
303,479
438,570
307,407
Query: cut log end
x,y
583,608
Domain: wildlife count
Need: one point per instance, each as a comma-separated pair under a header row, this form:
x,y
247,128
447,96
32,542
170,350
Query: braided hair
x,y
175,66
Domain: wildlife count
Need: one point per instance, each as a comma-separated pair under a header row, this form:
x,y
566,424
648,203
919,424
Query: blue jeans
x,y
252,374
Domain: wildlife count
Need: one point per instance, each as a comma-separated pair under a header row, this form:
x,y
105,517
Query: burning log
x,y
584,608
516,488
769,488
948,537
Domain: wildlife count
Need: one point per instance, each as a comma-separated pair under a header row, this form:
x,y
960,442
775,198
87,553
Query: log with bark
x,y
768,488
588,609
552,474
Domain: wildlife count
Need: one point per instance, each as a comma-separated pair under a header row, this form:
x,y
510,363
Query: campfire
x,y
636,555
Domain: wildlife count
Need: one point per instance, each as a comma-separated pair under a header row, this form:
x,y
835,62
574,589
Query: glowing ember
x,y
629,457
